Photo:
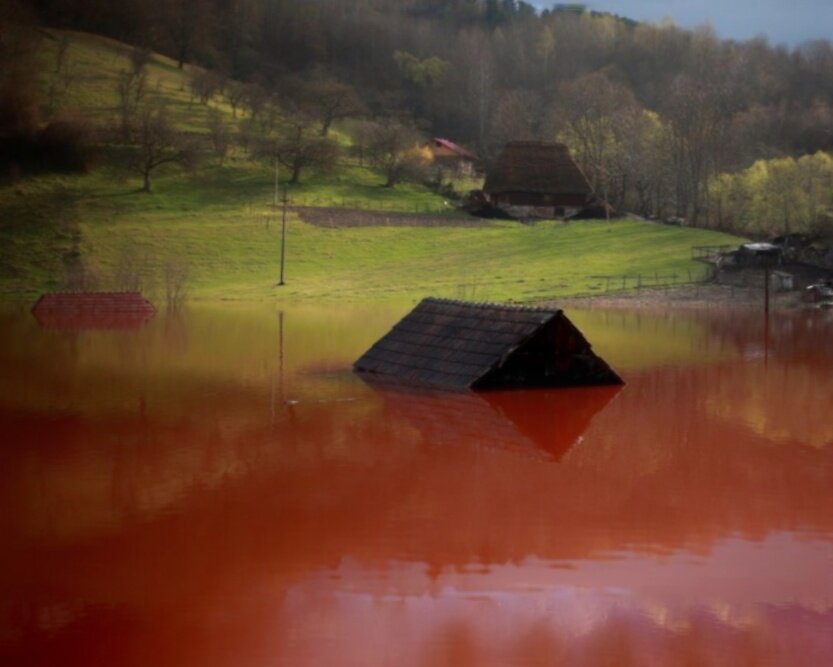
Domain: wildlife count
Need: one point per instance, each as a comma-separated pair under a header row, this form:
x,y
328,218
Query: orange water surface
x,y
216,488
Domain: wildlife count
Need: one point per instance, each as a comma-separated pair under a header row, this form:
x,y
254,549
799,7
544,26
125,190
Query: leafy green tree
x,y
421,73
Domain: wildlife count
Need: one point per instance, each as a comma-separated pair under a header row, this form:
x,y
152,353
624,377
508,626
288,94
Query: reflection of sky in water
x,y
218,489
741,587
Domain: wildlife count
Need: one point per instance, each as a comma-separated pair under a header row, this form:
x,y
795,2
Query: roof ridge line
x,y
491,304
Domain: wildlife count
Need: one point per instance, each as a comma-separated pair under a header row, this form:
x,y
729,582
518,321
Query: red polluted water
x,y
217,488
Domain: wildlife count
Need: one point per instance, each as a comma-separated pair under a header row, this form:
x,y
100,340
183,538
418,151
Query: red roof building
x,y
452,156
93,310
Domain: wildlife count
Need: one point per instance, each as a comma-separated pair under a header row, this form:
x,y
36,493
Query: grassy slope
x,y
220,221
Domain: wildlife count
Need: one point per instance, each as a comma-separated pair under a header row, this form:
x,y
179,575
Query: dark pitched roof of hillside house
x,y
93,310
461,345
538,167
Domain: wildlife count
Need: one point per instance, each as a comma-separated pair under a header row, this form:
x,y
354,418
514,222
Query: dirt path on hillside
x,y
349,217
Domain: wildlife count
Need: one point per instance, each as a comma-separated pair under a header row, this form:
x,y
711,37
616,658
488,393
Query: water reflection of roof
x,y
93,310
541,423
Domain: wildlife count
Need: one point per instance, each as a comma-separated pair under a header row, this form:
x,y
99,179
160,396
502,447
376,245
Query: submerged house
x,y
93,310
461,345
538,179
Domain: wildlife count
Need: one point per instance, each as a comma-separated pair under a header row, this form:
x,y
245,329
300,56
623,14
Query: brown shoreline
x,y
689,296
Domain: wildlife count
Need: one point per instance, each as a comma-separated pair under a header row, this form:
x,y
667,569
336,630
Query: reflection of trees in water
x,y
627,639
492,624
24,348
660,466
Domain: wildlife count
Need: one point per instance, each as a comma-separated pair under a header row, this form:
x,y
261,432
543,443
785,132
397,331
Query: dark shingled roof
x,y
536,166
460,345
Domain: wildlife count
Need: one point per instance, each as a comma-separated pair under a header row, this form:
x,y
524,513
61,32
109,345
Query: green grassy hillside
x,y
93,65
218,222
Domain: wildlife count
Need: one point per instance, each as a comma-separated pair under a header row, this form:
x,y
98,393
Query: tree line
x,y
655,114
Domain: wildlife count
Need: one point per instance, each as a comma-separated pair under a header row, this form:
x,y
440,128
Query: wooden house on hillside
x,y
461,345
452,157
537,179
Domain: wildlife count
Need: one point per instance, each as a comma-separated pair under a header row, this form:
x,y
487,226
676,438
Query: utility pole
x,y
766,289
766,316
285,200
277,172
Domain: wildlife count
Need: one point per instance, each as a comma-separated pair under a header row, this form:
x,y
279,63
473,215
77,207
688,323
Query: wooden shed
x,y
452,156
461,345
537,178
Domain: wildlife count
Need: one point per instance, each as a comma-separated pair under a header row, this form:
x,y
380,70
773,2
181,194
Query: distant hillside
x,y
213,228
653,113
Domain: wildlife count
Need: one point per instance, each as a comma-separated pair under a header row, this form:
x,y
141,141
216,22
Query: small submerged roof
x,y
536,166
93,310
461,345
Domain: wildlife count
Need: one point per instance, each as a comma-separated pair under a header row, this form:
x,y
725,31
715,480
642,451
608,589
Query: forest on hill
x,y
664,121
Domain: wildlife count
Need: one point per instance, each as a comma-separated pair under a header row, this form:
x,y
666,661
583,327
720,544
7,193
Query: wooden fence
x,y
594,286
710,253
652,280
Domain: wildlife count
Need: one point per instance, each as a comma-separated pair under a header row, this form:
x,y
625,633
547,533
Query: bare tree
x,y
360,132
593,113
235,94
176,273
393,149
297,150
256,98
139,58
131,87
698,118
329,100
517,116
62,74
159,143
205,84
475,71
220,135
